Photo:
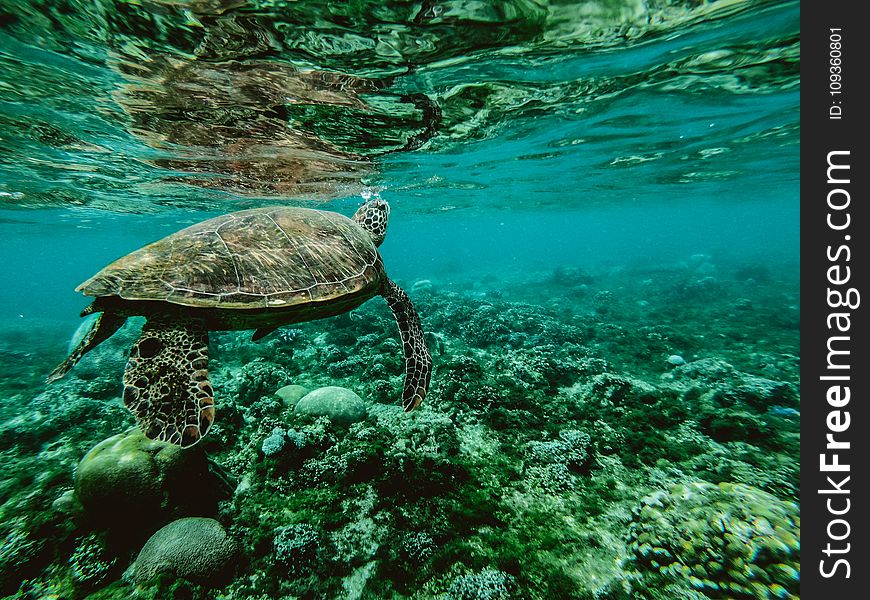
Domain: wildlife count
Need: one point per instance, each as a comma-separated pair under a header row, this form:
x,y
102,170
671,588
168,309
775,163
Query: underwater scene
x,y
454,300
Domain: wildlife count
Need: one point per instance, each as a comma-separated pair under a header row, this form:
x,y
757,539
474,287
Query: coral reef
x,y
273,444
17,550
725,541
579,427
338,404
489,584
129,474
291,394
256,379
91,562
295,546
192,548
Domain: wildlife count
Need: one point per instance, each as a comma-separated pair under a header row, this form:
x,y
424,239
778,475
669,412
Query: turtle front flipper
x,y
166,383
104,326
262,332
418,361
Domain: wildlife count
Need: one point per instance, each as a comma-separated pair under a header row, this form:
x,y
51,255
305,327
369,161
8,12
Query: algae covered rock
x,y
291,394
340,404
130,478
194,548
727,540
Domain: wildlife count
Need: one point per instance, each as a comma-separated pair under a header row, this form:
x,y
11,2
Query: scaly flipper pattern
x,y
166,383
418,361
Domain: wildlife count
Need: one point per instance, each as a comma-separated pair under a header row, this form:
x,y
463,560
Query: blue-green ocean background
x,y
651,163
625,139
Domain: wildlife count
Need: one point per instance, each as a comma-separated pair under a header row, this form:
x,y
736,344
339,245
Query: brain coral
x,y
725,541
129,474
193,548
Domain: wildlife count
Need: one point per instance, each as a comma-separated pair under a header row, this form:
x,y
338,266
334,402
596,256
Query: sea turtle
x,y
253,269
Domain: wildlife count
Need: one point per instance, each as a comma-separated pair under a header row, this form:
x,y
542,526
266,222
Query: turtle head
x,y
373,217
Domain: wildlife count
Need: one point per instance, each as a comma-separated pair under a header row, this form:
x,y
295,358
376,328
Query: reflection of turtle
x,y
263,127
254,269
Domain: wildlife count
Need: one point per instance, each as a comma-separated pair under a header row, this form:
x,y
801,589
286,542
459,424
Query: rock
x,y
743,304
129,479
422,284
760,393
340,404
675,360
291,394
704,370
194,548
68,504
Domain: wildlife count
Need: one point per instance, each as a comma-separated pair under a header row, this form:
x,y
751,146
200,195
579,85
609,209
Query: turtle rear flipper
x,y
166,383
104,326
418,361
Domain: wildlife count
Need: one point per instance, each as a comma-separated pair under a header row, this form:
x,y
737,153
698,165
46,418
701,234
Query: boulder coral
x,y
193,548
341,405
129,474
725,541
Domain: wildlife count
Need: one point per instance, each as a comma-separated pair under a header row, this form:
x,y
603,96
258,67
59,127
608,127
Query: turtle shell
x,y
260,258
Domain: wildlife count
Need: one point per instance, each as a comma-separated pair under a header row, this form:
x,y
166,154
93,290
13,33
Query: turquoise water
x,y
594,210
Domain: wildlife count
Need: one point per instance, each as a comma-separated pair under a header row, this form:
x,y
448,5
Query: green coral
x,y
17,549
193,548
725,541
89,563
517,476
257,379
131,474
489,584
295,546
